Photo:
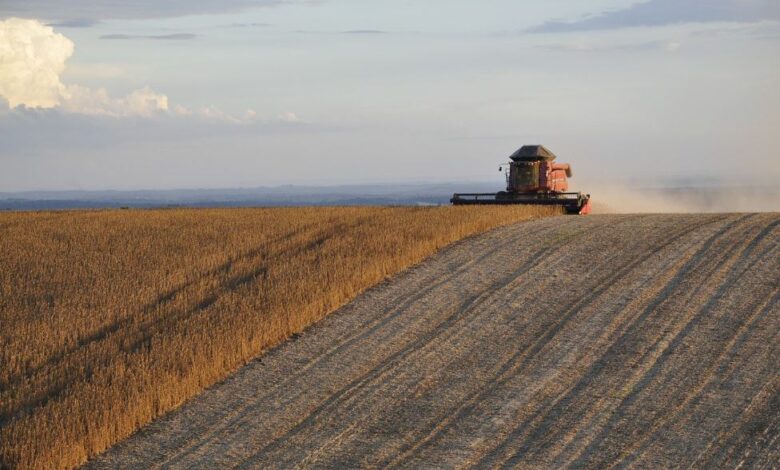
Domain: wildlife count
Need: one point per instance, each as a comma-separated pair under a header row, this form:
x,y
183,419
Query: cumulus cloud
x,y
32,57
32,60
667,12
144,102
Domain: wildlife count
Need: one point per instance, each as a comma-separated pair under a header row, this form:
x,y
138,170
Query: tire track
x,y
567,342
534,433
354,337
353,388
723,362
395,361
511,366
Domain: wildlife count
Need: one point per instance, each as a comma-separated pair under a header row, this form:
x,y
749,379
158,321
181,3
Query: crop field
x,y
607,341
112,318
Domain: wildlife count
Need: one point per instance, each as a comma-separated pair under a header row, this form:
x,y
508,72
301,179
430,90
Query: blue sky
x,y
108,95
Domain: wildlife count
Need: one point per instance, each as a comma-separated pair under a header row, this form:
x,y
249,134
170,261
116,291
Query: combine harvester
x,y
532,178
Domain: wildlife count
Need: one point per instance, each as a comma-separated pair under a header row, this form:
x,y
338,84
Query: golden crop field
x,y
109,319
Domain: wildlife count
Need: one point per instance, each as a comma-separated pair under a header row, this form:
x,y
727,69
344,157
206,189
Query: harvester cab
x,y
532,177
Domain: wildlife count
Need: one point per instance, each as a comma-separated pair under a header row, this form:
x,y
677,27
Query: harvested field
x,y
112,318
596,342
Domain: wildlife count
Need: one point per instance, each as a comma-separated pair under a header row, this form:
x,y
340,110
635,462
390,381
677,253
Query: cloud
x,y
596,46
288,116
134,9
668,12
248,25
167,37
32,57
144,102
32,60
364,31
211,113
75,23
351,32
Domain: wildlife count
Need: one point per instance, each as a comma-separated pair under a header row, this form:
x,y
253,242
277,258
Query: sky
x,y
146,94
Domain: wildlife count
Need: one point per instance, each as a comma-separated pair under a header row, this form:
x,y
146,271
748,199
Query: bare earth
x,y
627,341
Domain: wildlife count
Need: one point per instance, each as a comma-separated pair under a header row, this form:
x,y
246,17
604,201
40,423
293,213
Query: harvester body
x,y
532,177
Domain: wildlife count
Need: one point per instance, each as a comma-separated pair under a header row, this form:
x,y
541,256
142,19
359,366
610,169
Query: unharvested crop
x,y
109,319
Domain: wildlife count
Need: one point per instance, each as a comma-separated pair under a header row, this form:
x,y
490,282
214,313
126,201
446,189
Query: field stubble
x,y
112,318
616,341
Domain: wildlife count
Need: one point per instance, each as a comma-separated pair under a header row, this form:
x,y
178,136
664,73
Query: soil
x,y
589,342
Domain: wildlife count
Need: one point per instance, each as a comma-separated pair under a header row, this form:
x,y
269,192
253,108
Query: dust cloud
x,y
624,199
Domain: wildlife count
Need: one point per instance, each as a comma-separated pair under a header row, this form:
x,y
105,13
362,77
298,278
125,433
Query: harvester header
x,y
532,177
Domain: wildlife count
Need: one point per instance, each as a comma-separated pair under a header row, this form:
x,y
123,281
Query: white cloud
x,y
144,102
288,116
32,57
211,113
32,60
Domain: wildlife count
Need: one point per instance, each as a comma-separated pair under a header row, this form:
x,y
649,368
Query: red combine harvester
x,y
532,178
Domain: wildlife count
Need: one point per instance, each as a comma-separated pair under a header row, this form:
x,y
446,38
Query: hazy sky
x,y
195,93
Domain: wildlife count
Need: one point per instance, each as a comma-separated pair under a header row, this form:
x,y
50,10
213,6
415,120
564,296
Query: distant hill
x,y
352,195
606,198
